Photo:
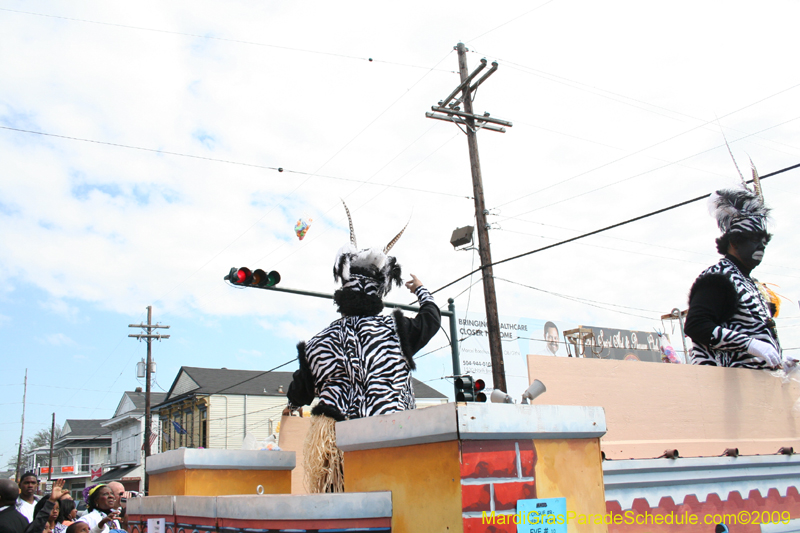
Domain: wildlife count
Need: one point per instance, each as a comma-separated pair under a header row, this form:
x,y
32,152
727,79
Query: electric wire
x,y
184,279
583,301
223,39
510,21
231,162
662,142
595,232
642,173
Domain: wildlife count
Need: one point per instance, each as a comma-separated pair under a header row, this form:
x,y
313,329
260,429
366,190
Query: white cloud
x,y
59,339
62,308
600,113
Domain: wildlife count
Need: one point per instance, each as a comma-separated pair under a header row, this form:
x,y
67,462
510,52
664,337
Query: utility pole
x,y
22,431
450,110
148,337
50,462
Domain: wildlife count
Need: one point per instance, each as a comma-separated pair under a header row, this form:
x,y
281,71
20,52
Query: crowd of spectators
x,y
23,511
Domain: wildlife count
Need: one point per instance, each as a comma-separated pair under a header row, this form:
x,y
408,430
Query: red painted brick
x,y
488,458
507,494
477,525
527,456
475,498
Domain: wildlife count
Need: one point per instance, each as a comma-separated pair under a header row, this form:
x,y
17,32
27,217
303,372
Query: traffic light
x,y
469,389
480,396
253,278
465,389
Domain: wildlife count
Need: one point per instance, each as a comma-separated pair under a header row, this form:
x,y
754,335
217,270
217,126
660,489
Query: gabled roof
x,y
133,402
195,380
76,428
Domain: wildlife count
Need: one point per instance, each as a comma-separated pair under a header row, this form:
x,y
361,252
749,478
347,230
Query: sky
x,y
140,148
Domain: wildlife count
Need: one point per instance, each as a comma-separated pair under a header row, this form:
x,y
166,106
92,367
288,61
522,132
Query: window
x,y
165,435
85,453
203,441
188,417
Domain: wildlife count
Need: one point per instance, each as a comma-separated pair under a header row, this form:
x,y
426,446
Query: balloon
x,y
301,228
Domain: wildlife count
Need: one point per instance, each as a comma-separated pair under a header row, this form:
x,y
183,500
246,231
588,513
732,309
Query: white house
x,y
127,438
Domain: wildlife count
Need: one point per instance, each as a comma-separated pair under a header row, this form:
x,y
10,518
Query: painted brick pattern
x,y
507,466
754,505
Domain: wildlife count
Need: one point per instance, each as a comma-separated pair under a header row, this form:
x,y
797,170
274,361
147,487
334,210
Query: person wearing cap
x,y
360,365
730,320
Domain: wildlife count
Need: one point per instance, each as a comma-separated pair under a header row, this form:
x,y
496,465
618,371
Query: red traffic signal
x,y
480,396
253,278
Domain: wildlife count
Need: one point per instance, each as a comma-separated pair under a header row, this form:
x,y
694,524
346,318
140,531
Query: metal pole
x,y
450,313
687,356
489,295
50,463
22,431
451,306
147,415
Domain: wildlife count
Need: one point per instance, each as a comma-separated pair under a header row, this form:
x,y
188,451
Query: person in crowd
x,y
79,527
46,510
67,513
11,520
26,502
101,503
122,502
730,320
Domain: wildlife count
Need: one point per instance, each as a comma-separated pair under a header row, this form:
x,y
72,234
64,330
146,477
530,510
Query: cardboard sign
x,y
156,525
542,515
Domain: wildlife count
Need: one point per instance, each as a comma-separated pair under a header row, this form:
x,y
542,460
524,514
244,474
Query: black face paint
x,y
751,250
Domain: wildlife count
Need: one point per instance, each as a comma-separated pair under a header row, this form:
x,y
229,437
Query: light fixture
x,y
535,390
499,396
462,237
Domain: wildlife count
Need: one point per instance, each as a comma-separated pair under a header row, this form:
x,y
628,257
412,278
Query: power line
x,y
659,143
595,232
648,171
223,39
184,279
230,162
510,21
592,303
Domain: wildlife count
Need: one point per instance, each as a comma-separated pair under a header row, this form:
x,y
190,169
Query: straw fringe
x,y
323,460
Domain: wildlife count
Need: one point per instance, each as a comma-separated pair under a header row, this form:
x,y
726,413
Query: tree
x,y
40,438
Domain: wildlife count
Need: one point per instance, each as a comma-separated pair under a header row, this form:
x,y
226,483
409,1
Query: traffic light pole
x,y
450,314
148,337
472,123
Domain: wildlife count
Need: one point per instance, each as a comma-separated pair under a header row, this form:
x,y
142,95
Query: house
x,y
79,453
37,461
127,438
217,407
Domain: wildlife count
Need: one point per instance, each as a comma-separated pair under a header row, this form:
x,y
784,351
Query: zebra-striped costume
x,y
361,365
726,311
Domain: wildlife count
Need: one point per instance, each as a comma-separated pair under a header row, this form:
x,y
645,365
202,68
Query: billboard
x,y
523,336
614,343
519,337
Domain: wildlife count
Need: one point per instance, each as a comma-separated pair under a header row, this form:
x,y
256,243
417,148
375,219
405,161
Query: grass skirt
x,y
323,460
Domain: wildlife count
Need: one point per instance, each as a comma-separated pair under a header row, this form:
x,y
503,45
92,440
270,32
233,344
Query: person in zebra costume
x,y
730,318
360,365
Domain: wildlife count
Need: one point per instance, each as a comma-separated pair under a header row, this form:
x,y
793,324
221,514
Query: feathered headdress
x,y
740,210
369,270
